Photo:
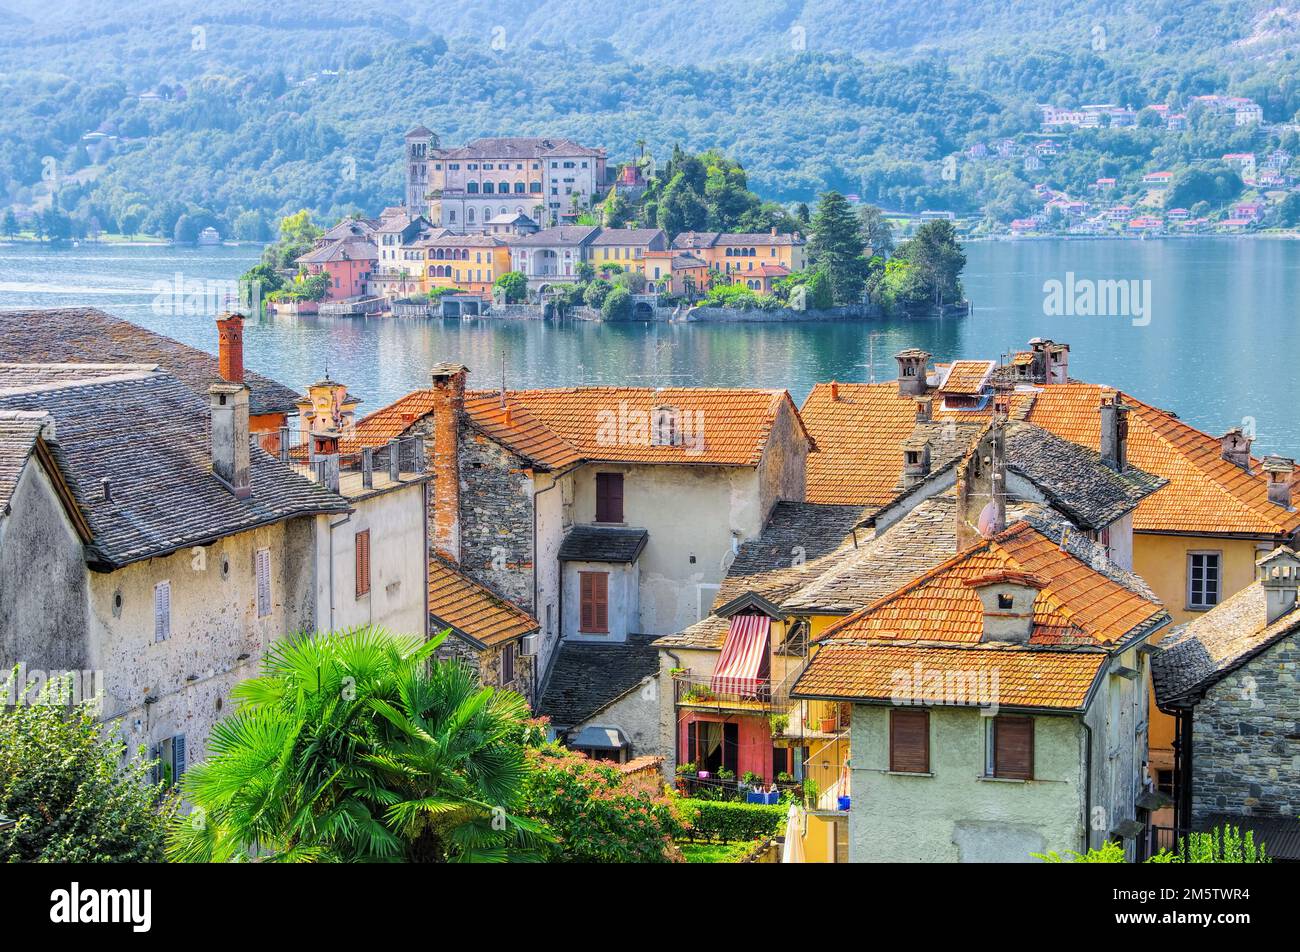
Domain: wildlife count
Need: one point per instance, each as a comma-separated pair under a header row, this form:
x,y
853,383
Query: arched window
x,y
487,213
469,215
451,215
502,209
472,188
487,188
519,188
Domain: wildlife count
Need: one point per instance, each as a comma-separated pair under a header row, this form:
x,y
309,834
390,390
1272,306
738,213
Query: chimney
x,y
924,409
1279,471
1007,597
1234,447
448,404
1114,431
916,462
230,347
911,372
229,405
1050,362
835,390
1279,576
774,231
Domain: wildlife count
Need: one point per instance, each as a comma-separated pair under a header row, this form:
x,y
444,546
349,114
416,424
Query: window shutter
x,y
178,757
1013,748
600,601
587,600
609,497
162,611
363,562
263,582
909,740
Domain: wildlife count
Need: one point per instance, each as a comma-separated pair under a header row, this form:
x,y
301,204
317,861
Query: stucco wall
x,y
1246,739
692,514
636,714
952,815
41,625
396,601
782,470
623,591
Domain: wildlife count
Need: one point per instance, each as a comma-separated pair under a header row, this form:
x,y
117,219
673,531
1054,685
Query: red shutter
x,y
1013,748
909,740
594,600
363,562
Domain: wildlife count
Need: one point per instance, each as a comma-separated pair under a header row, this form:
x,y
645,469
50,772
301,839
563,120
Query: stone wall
x,y
496,518
730,315
1246,746
530,312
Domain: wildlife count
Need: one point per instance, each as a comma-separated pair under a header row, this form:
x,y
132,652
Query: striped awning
x,y
744,666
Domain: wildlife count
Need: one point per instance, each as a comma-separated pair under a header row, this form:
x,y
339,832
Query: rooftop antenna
x,y
503,376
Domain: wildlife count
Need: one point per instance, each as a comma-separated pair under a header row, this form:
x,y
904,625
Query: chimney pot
x,y
1007,598
1279,576
1234,447
1114,432
230,452
835,390
912,372
230,347
1279,471
924,409
916,462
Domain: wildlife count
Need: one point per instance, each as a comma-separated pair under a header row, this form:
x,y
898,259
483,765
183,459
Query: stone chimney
x,y
448,405
911,372
916,461
1114,431
1050,362
1007,597
230,347
1279,470
1279,576
1234,447
924,409
229,405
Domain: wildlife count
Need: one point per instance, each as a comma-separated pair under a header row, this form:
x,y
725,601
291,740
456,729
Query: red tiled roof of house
x,y
458,601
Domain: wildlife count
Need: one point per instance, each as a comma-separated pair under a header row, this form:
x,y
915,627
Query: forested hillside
x,y
259,111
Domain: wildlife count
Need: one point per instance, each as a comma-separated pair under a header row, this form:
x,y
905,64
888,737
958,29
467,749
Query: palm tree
x,y
359,746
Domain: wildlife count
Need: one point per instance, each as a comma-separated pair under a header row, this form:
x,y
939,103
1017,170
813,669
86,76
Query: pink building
x,y
349,262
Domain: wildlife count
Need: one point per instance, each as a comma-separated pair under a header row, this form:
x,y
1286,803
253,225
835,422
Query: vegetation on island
x,y
1226,844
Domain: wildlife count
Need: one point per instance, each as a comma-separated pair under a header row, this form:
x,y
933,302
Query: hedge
x,y
733,821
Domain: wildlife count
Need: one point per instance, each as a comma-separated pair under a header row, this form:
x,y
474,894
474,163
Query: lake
x,y
1212,331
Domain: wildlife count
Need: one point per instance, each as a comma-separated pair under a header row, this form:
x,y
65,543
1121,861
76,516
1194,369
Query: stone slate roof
x,y
1074,478
342,249
18,434
558,235
149,436
91,336
602,544
629,236
1197,655
799,542
587,677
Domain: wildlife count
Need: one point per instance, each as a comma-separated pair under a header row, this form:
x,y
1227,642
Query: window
x,y
162,611
713,745
263,565
594,600
362,552
909,740
507,664
609,497
1202,579
1009,748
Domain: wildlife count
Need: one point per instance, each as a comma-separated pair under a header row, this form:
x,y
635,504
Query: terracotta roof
x,y
859,437
966,376
388,423
1009,677
475,612
517,428
89,335
1078,605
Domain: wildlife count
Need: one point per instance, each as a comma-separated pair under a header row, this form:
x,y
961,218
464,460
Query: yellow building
x,y
626,247
740,254
674,272
470,263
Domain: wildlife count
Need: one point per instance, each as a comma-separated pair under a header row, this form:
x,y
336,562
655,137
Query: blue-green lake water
x,y
1220,346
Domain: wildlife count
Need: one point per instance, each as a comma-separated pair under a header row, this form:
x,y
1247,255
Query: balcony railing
x,y
699,692
354,469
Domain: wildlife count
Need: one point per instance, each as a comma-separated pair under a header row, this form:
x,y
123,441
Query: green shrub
x,y
732,821
617,305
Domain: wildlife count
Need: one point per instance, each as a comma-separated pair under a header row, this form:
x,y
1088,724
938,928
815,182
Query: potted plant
x,y
811,791
828,723
778,723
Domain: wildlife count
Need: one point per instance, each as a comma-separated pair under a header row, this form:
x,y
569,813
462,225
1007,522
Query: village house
x,y
552,255
674,272
1192,556
400,269
1229,677
739,255
626,247
470,263
348,261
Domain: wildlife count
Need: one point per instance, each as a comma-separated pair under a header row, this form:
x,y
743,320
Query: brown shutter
x,y
363,562
909,740
609,497
594,599
586,584
601,601
1013,748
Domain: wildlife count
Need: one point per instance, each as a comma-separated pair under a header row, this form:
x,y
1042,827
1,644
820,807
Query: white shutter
x,y
162,611
263,582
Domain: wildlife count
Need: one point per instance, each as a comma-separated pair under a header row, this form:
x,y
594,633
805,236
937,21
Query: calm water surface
x,y
1221,346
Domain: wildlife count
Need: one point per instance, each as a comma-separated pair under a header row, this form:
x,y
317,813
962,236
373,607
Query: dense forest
x,y
237,130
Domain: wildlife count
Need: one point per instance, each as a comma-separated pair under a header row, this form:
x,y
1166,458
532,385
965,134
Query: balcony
x,y
697,693
354,471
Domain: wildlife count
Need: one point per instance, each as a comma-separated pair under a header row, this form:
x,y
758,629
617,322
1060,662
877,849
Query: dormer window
x,y
1006,602
664,428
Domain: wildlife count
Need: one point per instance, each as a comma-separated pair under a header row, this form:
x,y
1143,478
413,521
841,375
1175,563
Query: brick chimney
x,y
1114,431
1279,471
1007,597
912,365
1279,576
1234,447
229,405
448,404
230,347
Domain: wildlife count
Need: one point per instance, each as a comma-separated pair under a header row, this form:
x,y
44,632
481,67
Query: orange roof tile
x,y
1076,604
458,601
859,438
515,427
388,423
966,376
1008,677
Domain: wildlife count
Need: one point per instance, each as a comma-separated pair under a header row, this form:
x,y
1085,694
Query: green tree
x,y
836,248
10,226
361,746
514,286
617,210
877,233
596,293
65,783
937,256
617,305
596,814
